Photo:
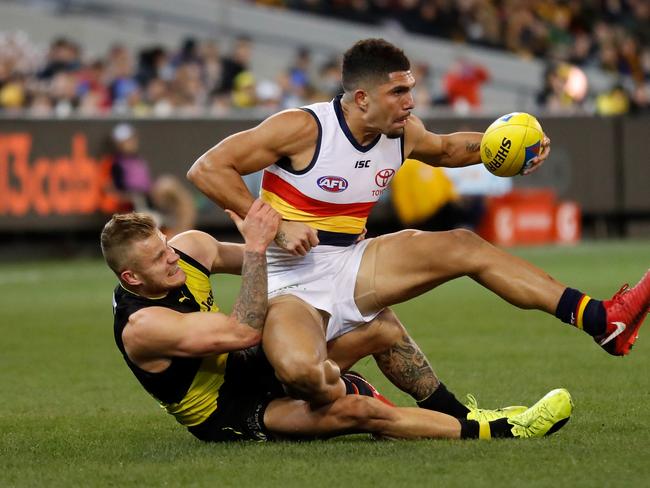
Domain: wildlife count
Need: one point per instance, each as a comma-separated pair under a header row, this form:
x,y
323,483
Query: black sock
x,y
442,400
581,311
469,429
594,318
500,428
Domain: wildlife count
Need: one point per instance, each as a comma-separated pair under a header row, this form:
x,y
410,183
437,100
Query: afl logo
x,y
383,177
332,184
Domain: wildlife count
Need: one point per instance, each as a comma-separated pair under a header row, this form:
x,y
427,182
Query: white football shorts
x,y
324,278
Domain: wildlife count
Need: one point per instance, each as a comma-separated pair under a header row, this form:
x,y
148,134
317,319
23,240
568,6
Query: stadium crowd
x,y
613,35
199,78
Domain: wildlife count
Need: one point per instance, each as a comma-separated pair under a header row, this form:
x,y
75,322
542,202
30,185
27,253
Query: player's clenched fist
x,y
296,237
259,227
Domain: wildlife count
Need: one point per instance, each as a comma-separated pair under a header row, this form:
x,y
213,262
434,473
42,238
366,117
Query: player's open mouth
x,y
174,271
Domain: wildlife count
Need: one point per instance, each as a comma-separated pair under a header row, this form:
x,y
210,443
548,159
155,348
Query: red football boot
x,y
625,313
363,387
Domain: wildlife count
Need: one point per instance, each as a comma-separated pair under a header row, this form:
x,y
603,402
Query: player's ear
x,y
130,277
361,99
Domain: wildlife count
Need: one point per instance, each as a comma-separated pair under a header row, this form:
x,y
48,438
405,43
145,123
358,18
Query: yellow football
x,y
510,143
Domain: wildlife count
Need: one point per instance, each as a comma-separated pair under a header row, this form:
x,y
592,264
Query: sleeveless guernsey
x,y
342,183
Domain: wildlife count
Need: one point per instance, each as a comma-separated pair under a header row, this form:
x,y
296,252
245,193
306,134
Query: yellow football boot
x,y
545,417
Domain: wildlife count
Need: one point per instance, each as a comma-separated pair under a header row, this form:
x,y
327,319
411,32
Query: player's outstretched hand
x,y
296,237
259,227
544,151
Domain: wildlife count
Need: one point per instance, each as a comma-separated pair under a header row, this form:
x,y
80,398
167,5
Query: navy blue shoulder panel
x,y
285,163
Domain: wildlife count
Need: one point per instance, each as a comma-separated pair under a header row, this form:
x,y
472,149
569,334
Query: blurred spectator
x,y
244,93
640,100
165,198
269,95
234,64
93,94
462,84
13,93
188,53
211,64
64,55
153,64
564,89
158,98
40,105
121,75
613,102
298,85
328,82
422,93
423,197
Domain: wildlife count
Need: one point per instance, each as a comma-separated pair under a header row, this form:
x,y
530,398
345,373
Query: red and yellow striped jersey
x,y
342,183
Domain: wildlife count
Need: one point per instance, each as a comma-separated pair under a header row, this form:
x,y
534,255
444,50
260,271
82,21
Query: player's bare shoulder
x,y
199,245
420,143
294,129
414,131
216,256
295,133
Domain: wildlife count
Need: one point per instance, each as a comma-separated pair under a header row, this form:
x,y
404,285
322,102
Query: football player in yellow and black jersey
x,y
203,366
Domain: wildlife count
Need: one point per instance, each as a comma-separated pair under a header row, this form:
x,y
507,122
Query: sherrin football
x,y
510,143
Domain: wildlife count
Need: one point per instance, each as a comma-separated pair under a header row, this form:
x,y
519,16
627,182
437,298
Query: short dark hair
x,y
120,233
371,61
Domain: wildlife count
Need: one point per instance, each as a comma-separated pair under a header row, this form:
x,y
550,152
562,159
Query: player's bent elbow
x,y
249,337
195,173
238,336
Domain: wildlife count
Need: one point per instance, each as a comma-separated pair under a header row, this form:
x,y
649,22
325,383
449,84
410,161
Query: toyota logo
x,y
383,177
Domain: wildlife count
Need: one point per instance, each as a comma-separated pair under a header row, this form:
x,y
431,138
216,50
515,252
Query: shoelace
x,y
472,404
542,412
618,297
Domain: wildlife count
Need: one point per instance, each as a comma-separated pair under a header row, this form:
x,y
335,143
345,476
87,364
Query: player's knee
x,y
465,239
389,332
302,375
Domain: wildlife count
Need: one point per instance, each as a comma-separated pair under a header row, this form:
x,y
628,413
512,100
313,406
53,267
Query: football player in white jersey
x,y
320,278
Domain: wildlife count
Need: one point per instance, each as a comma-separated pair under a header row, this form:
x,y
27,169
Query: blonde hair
x,y
120,233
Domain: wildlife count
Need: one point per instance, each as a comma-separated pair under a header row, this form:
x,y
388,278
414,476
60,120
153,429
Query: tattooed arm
x,y
250,307
154,334
450,150
258,229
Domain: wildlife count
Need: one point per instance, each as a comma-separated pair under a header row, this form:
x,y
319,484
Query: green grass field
x,y
71,414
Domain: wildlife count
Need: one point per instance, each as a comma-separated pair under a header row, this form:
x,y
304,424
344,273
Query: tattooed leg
x,y
404,364
399,358
407,368
396,354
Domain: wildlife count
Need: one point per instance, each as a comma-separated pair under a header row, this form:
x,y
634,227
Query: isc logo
x,y
333,184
